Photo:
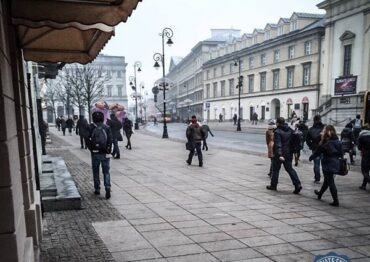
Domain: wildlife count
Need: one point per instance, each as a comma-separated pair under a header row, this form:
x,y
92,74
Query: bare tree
x,y
64,92
72,79
52,96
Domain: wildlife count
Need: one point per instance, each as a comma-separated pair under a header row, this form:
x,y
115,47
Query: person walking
x,y
70,124
348,141
312,140
283,155
195,135
82,129
115,126
57,122
220,118
235,118
270,143
364,147
331,150
100,145
206,130
63,125
357,127
127,127
303,129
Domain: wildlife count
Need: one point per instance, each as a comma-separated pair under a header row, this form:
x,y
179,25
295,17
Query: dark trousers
x,y
128,136
199,152
83,142
97,160
276,165
64,131
115,152
205,146
329,183
365,169
316,167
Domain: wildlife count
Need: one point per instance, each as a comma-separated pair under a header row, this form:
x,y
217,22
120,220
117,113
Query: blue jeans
x,y
276,165
115,152
96,160
316,167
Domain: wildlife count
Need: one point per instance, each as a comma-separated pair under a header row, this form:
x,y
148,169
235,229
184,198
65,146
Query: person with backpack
x,y
100,145
364,147
195,135
297,142
206,130
331,150
348,141
63,125
115,126
82,129
70,124
312,140
127,127
283,155
357,127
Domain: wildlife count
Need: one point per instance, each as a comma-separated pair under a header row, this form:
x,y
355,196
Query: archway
x,y
275,108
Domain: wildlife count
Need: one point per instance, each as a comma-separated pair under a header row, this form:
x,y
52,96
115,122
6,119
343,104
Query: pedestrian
x,y
331,150
220,118
115,126
70,124
357,127
254,118
364,146
270,143
100,145
155,121
127,128
303,130
235,118
44,129
206,130
312,140
283,155
57,122
63,125
348,141
195,135
82,129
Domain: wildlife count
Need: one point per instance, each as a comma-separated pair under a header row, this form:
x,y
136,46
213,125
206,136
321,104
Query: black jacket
x,y
82,127
90,145
331,151
127,126
206,129
364,143
115,126
313,136
282,135
347,138
70,123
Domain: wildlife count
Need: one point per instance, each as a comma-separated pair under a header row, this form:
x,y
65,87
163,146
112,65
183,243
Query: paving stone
x,y
261,241
363,249
190,223
166,238
243,233
353,241
340,251
198,230
135,255
222,245
297,257
154,227
295,237
236,254
317,244
208,237
194,258
172,251
234,226
279,249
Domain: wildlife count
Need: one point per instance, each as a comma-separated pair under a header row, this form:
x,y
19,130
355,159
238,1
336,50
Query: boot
x,y
335,203
107,193
271,188
297,189
201,163
188,161
319,195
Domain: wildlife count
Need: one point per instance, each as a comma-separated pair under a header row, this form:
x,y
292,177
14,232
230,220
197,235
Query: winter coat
x,y
63,123
90,145
313,136
348,139
195,133
206,129
70,123
364,143
304,129
115,126
331,151
282,137
127,127
270,142
82,127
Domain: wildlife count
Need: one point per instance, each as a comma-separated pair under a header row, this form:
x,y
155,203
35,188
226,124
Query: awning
x,y
289,101
305,100
67,30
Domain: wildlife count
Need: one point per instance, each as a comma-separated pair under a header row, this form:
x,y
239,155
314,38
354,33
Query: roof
x,y
176,59
308,15
319,23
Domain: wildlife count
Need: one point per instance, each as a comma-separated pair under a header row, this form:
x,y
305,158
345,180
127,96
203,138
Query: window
x,y
280,30
307,47
232,68
119,74
214,72
222,88
306,74
275,79
207,74
251,62
276,56
241,64
215,89
109,90
263,81
290,76
222,70
263,59
250,83
231,86
208,90
294,25
267,35
240,83
347,60
291,52
254,39
119,89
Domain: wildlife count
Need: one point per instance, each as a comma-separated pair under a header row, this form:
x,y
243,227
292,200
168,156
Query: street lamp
x,y
237,62
168,33
132,79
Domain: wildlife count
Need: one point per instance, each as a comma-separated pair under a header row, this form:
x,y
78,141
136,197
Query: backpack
x,y
296,141
357,123
99,138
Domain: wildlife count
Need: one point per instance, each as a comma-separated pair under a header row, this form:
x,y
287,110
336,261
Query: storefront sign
x,y
345,85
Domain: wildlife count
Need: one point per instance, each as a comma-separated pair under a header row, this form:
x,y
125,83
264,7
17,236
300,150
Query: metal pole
x,y
165,133
240,84
136,123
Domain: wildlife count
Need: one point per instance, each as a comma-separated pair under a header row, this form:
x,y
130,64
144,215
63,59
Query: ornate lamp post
x,y
133,85
237,62
168,33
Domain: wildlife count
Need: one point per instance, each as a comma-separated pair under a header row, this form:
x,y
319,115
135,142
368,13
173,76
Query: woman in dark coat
x,y
348,141
331,150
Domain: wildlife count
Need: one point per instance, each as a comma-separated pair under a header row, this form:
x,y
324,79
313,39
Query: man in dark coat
x,y
283,155
115,126
195,135
364,146
70,124
82,129
63,125
206,130
312,140
127,127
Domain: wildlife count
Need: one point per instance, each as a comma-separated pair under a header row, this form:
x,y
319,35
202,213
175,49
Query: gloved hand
x,y
310,158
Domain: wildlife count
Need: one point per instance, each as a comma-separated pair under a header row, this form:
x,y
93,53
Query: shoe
x,y
126,146
271,188
97,192
117,157
207,148
362,187
129,148
318,194
107,193
297,189
189,162
200,164
82,147
316,182
334,204
296,164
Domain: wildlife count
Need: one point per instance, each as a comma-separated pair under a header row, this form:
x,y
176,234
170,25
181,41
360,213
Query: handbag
x,y
189,146
343,167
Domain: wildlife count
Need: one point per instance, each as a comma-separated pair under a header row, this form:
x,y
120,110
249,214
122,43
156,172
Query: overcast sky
x,y
191,20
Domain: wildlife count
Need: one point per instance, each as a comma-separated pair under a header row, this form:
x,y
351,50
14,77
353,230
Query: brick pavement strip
x,y
163,210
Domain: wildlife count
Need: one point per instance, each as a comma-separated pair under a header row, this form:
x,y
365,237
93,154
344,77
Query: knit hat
x,y
271,122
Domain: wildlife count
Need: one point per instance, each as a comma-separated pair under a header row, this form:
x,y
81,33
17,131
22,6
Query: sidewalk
x,y
163,210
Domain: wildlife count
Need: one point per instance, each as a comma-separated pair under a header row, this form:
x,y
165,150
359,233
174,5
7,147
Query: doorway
x,y
275,108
